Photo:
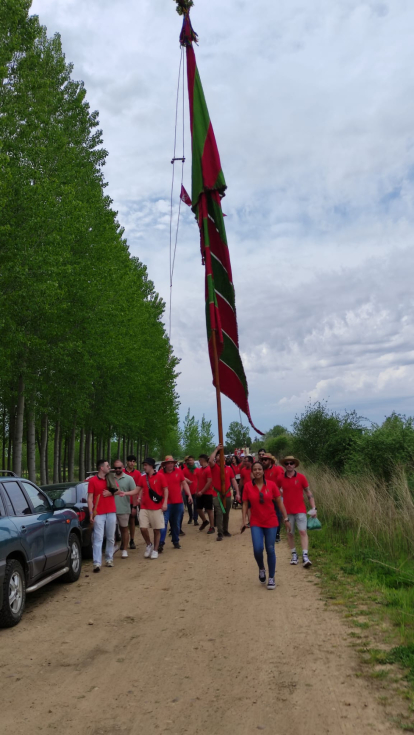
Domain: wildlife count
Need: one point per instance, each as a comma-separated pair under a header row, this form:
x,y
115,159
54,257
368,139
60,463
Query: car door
x,y
55,524
30,525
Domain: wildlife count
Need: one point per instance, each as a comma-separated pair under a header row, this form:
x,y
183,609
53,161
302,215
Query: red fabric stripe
x,y
210,161
191,70
228,319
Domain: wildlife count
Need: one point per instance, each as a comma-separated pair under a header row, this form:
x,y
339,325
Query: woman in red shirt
x,y
261,495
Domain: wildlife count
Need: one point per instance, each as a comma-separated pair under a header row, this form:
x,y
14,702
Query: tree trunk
x,y
31,443
118,452
65,454
71,454
82,454
56,452
43,448
3,463
47,458
124,453
88,452
60,453
109,450
11,434
93,452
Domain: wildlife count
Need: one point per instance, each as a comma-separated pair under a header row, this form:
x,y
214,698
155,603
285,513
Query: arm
x,y
244,512
212,460
184,486
236,489
311,499
165,503
90,506
282,509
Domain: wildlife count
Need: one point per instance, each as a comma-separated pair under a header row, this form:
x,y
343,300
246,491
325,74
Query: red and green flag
x,y
208,187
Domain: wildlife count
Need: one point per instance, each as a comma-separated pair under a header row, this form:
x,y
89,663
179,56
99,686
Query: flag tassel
x,y
219,417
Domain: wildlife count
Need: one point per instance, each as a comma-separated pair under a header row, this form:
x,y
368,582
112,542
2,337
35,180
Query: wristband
x,y
286,520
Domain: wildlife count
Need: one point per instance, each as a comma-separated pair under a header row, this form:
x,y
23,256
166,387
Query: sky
x,y
313,112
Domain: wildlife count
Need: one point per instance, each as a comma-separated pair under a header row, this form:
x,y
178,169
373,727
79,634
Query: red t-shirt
x,y
274,473
192,479
293,488
105,505
174,480
157,484
262,514
216,476
245,475
136,476
204,474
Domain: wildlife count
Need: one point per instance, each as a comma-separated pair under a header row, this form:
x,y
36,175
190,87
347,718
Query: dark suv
x,y
40,540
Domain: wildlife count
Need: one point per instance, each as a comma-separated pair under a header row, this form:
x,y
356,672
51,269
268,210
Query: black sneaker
x,y
227,534
132,544
176,546
196,523
271,585
220,537
190,520
262,576
161,548
182,533
210,530
277,540
203,525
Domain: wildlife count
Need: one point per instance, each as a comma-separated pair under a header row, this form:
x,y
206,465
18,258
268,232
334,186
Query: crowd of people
x,y
270,494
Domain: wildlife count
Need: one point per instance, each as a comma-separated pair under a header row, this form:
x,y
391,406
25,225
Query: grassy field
x,y
364,556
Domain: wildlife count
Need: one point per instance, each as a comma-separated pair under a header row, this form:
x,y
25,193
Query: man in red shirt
x,y
190,472
176,483
245,472
152,496
131,469
293,485
102,512
222,519
204,497
273,472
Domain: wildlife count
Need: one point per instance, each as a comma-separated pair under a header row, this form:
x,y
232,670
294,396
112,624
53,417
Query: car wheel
x,y
75,560
14,594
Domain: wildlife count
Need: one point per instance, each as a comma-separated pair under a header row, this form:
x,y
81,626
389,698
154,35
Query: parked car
x,y
75,496
40,540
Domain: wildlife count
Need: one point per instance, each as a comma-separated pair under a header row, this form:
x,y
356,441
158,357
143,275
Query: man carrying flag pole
x,y
208,187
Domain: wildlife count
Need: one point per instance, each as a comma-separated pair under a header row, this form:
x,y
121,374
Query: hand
x,y
288,526
106,493
91,518
164,507
218,447
313,512
238,498
121,493
190,500
133,510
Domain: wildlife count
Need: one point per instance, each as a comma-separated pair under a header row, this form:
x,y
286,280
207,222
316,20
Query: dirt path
x,y
187,644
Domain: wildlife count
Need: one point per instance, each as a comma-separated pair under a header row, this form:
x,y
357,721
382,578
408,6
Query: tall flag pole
x,y
208,187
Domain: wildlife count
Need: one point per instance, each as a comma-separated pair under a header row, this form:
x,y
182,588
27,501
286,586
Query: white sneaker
x,y
306,561
116,548
271,585
154,554
109,563
148,550
124,555
294,559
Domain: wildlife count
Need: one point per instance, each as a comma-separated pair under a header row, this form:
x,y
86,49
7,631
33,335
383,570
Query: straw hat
x,y
269,456
290,459
168,458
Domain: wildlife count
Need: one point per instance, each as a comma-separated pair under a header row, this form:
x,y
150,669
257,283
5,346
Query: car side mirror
x,y
59,504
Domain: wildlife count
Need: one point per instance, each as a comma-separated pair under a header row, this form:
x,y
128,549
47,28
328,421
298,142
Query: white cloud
x,y
313,111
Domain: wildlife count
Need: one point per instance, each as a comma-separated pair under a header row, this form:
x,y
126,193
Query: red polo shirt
x,y
157,484
274,473
96,486
293,488
174,480
136,476
204,474
262,514
192,478
245,475
216,476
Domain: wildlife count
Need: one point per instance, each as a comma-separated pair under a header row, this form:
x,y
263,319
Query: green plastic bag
x,y
314,524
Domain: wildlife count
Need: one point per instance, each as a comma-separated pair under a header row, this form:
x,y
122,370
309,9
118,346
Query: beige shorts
x,y
299,520
151,519
123,519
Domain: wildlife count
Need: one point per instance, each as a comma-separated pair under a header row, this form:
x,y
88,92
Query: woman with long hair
x,y
261,495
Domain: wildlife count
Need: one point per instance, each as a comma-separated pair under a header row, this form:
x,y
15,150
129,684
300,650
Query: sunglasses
x,y
289,464
118,468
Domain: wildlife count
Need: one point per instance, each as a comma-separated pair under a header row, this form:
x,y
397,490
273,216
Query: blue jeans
x,y
173,514
268,535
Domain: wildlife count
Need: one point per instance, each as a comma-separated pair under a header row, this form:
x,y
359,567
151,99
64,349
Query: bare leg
x,y
291,540
125,537
146,536
304,540
157,536
210,514
202,515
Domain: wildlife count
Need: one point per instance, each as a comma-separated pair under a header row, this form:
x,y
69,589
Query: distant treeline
x,y
84,356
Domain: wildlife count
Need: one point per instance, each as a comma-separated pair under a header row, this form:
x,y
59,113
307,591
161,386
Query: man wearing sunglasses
x,y
293,485
273,472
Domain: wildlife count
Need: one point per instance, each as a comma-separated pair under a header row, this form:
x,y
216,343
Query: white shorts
x,y
300,520
151,519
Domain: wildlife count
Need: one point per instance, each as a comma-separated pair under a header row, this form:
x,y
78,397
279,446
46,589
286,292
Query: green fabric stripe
x,y
231,356
220,181
212,298
201,122
215,211
222,283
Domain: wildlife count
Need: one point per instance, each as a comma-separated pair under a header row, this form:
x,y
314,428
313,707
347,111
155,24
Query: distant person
x,y
153,499
293,486
222,519
204,496
261,495
131,469
190,472
176,483
122,503
102,512
261,453
273,472
245,472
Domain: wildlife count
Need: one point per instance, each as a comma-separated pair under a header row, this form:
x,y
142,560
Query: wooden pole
x,y
219,415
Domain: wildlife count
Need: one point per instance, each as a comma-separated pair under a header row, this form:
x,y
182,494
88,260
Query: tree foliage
x,y
237,436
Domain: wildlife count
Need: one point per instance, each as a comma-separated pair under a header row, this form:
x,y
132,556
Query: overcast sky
x,y
313,109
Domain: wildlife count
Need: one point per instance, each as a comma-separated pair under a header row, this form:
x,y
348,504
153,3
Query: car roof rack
x,y
8,472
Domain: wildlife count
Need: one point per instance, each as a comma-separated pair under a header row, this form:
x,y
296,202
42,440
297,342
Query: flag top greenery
x,y
208,187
